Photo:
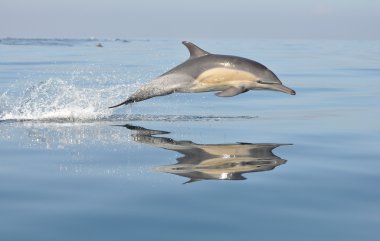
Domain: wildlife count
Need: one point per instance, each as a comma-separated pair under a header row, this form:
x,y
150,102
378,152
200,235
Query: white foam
x,y
57,99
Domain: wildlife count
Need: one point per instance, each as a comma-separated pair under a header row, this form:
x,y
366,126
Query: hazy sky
x,y
338,19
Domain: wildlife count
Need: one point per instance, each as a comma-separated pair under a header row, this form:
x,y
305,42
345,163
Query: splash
x,y
59,100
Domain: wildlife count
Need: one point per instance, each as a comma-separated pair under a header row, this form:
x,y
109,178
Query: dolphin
x,y
203,72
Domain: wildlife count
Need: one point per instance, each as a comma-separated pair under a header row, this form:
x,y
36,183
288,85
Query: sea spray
x,y
61,100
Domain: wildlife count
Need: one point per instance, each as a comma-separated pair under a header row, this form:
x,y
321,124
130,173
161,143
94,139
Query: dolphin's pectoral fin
x,y
192,180
232,91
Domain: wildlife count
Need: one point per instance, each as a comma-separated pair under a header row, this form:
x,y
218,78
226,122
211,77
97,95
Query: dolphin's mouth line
x,y
267,83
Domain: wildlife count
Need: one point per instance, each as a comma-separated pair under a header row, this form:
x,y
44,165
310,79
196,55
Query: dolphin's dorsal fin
x,y
194,50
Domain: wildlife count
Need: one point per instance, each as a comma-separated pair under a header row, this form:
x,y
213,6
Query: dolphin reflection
x,y
210,161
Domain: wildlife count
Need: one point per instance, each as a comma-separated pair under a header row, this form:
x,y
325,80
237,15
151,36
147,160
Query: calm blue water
x,y
261,165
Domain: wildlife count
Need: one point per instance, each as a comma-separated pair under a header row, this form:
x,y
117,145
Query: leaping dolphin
x,y
204,72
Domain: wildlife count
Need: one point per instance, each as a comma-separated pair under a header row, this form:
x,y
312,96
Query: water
x,y
261,165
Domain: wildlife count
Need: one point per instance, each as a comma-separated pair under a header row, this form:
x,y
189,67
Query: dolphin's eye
x,y
259,81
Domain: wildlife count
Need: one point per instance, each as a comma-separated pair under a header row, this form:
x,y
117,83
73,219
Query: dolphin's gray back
x,y
196,66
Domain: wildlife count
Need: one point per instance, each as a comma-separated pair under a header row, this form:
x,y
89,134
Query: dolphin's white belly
x,y
218,79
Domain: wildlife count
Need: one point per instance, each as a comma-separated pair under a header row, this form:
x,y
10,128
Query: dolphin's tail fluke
x,y
146,92
142,94
163,85
128,101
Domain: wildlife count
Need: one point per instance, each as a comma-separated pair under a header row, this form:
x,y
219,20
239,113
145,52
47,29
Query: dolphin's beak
x,y
281,88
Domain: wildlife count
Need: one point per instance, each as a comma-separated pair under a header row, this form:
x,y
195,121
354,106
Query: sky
x,y
319,19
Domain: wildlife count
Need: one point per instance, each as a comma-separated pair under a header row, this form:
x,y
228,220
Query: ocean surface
x,y
259,166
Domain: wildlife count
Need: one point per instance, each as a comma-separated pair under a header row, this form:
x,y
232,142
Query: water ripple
x,y
128,117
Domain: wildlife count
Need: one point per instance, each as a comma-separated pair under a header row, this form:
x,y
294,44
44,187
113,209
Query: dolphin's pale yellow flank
x,y
220,78
203,72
